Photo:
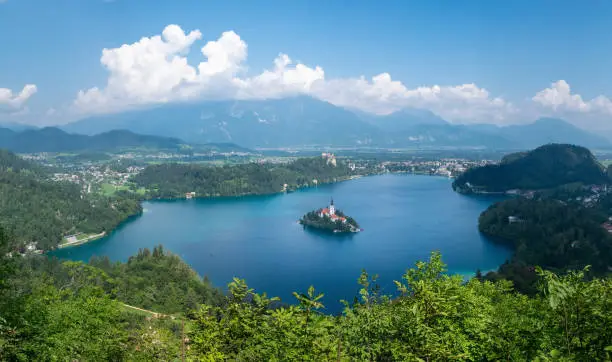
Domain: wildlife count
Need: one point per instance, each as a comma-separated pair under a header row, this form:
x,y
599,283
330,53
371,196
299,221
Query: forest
x,y
173,180
551,302
51,310
35,209
548,166
548,233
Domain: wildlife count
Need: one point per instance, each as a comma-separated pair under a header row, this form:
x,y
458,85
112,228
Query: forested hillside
x,y
66,311
34,209
51,139
174,180
73,311
157,280
550,234
547,166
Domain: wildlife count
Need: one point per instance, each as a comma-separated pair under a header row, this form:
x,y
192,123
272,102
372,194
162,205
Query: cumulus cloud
x,y
382,95
15,102
559,98
285,79
155,70
148,71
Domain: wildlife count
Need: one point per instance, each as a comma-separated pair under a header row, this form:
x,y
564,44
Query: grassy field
x,y
83,236
80,238
109,190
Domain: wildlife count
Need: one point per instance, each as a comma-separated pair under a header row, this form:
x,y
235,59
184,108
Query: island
x,y
330,219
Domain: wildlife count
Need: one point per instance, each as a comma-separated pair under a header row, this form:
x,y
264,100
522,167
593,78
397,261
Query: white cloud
x,y
285,79
560,99
148,71
155,70
15,102
463,103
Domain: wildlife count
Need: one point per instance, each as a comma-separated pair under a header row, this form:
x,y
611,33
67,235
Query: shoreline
x,y
314,226
176,198
145,199
82,241
319,238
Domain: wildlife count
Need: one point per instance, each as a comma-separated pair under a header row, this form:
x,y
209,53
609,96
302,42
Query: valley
x,y
229,213
305,181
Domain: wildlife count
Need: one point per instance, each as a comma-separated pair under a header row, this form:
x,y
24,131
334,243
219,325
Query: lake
x,y
404,218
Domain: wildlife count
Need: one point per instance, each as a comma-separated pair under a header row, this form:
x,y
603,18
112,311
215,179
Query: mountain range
x,y
304,121
51,139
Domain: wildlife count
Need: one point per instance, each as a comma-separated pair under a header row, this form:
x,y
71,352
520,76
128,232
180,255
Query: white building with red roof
x,y
331,213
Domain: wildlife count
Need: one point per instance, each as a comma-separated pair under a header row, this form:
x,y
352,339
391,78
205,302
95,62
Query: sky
x,y
499,62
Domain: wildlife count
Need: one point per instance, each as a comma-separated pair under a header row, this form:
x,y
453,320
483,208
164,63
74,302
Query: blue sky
x,y
511,49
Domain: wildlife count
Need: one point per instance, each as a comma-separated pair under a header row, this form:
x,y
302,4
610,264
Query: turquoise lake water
x,y
404,218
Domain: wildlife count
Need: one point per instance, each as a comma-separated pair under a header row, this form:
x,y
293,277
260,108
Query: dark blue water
x,y
404,218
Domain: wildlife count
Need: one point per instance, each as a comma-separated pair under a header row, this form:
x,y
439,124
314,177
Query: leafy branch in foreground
x,y
71,311
437,317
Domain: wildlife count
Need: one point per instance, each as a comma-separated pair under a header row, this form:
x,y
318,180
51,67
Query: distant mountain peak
x,y
306,121
552,121
53,139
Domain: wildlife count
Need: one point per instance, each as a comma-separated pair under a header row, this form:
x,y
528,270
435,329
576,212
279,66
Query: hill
x,y
173,180
34,209
51,139
550,234
545,167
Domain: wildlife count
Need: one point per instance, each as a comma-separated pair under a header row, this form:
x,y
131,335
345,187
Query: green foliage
x,y
548,233
437,317
72,311
579,310
34,209
158,281
173,180
42,322
545,167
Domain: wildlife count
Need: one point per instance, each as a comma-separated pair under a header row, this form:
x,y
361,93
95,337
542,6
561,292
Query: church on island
x,y
331,213
330,219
